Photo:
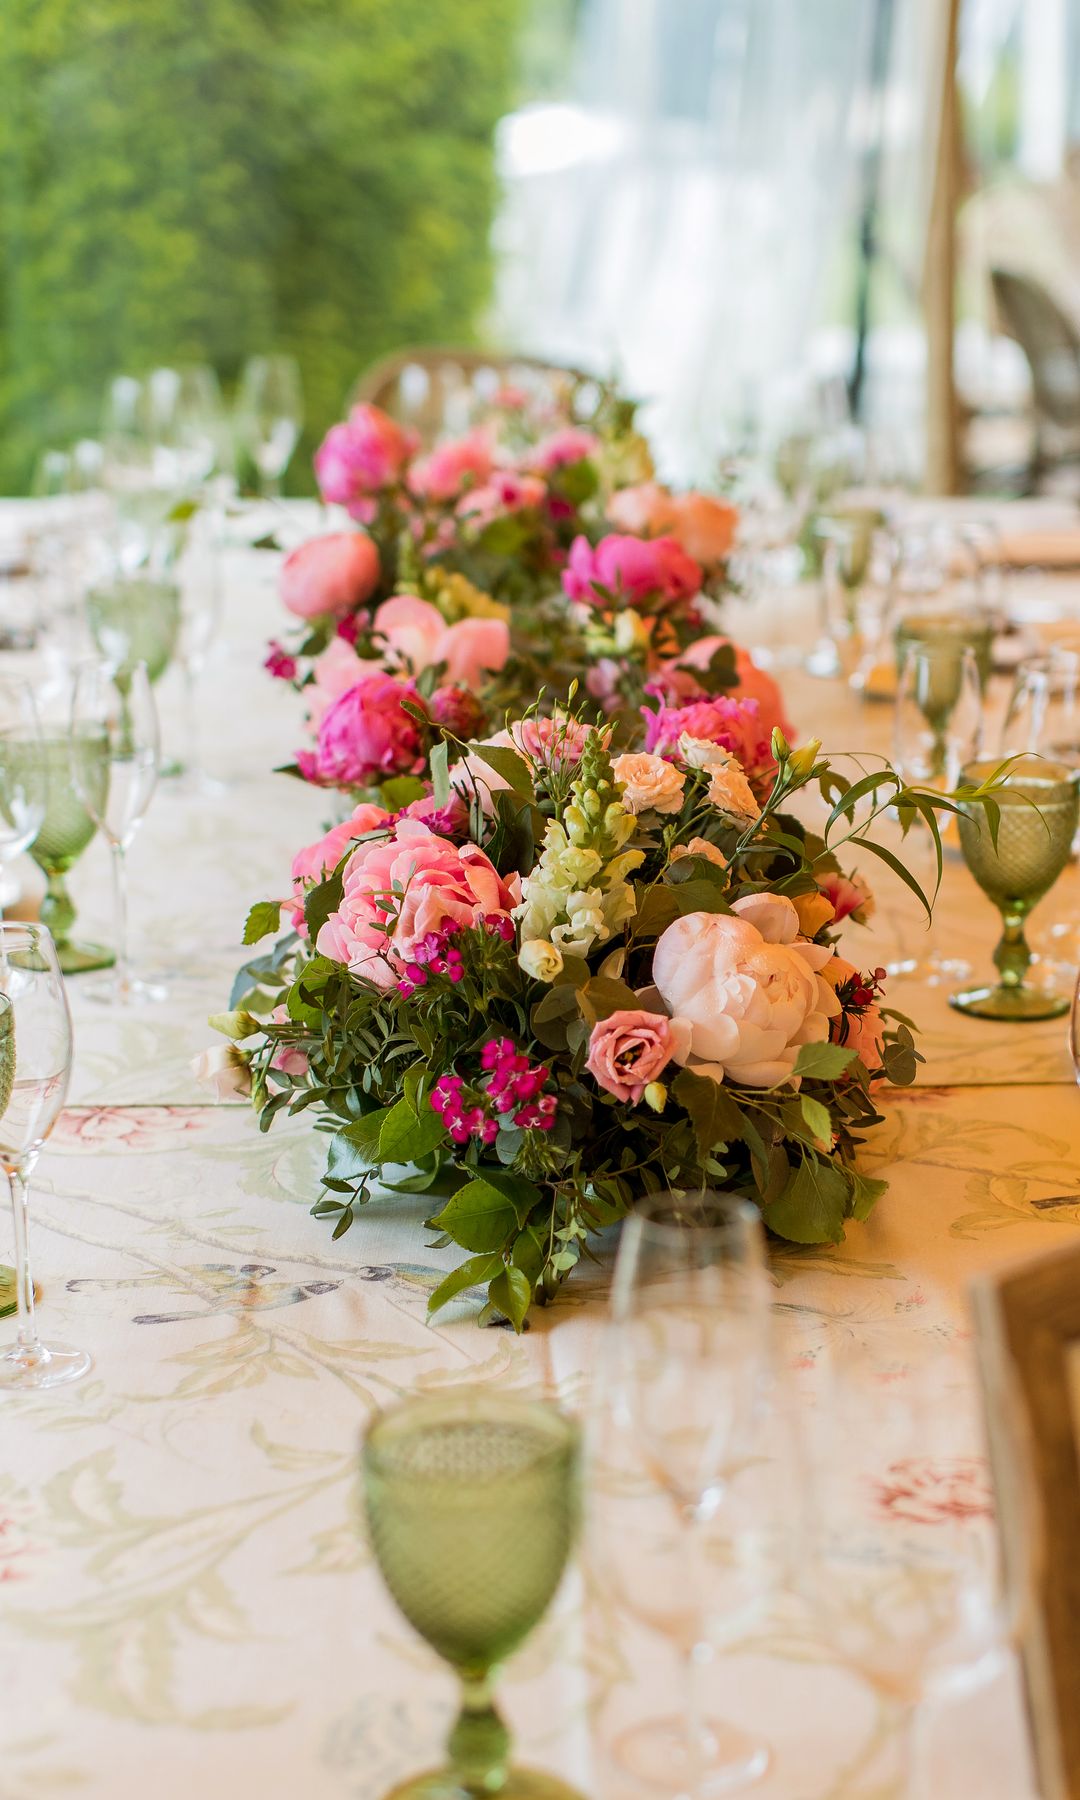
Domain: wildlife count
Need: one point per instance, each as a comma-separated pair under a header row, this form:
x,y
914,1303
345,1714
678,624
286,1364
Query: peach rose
x,y
330,574
700,847
629,1049
650,784
750,993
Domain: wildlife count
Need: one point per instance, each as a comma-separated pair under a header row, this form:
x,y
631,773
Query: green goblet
x,y
133,619
65,832
472,1504
955,629
1039,803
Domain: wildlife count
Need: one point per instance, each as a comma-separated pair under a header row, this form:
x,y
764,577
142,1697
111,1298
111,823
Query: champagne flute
x,y
67,827
35,1068
472,1502
270,413
134,617
1039,804
901,1567
687,1367
23,776
115,717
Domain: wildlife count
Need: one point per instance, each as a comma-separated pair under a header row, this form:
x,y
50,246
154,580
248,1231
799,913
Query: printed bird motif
x,y
225,1287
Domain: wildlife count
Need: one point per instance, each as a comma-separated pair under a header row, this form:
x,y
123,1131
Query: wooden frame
x,y
1028,1328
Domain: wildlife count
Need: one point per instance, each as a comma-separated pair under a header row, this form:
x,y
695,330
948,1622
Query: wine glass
x,y
199,580
843,567
686,1377
270,413
114,719
472,1502
901,1566
67,827
1043,716
23,775
952,624
134,617
1039,804
35,1068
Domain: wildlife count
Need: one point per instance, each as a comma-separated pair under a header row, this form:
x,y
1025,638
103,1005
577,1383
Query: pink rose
x,y
329,574
416,633
546,743
505,492
749,1000
361,457
754,683
397,890
636,569
570,445
628,1050
447,470
317,860
365,735
849,896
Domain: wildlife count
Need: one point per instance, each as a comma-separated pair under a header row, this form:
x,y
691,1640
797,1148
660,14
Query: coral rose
x,y
329,574
754,683
749,999
629,1049
650,783
366,734
636,569
396,890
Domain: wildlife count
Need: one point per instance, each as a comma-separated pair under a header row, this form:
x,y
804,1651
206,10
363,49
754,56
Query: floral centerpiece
x,y
572,974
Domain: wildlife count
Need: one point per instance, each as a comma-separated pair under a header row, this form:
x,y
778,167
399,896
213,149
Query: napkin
x,y
1045,549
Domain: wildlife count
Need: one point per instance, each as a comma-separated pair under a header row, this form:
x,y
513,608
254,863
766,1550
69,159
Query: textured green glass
x,y
954,631
472,1506
66,829
1040,804
136,621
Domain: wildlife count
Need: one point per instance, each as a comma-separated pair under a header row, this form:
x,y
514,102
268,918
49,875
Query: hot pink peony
x,y
749,991
732,723
397,890
365,735
637,569
361,457
416,633
447,470
628,1050
329,574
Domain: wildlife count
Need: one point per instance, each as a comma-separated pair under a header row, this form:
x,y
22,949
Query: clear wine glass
x,y
270,414
901,1565
23,774
1043,716
199,582
35,1068
686,1376
114,717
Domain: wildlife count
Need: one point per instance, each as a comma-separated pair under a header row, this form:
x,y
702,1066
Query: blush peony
x,y
636,569
329,574
364,735
397,889
749,991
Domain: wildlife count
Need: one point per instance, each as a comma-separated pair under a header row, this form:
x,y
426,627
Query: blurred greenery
x,y
204,181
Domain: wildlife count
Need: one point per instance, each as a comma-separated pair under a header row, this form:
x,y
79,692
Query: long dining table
x,y
187,1602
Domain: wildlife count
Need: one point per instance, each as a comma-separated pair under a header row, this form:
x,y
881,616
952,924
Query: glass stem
x,y
120,921
1012,955
695,1658
18,1175
479,1744
57,911
908,1771
193,758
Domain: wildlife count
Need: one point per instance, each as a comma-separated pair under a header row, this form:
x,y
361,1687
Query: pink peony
x,y
365,735
447,470
570,445
457,709
637,569
397,890
629,1049
733,724
317,860
505,492
361,457
416,634
329,574
334,671
749,991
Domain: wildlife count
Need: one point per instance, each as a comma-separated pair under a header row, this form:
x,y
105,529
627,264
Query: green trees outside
x,y
205,180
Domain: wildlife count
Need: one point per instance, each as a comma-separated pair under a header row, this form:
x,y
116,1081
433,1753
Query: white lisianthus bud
x,y
540,959
224,1070
237,1024
655,1095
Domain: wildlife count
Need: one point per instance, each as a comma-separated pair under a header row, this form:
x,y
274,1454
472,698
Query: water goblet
x,y
472,1503
686,1376
68,826
270,413
134,617
35,1068
1043,716
118,715
1039,803
23,775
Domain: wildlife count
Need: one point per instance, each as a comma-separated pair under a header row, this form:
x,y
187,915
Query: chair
x,y
1051,345
443,390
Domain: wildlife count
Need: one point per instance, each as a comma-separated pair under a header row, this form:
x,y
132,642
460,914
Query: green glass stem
x,y
1012,957
479,1744
57,908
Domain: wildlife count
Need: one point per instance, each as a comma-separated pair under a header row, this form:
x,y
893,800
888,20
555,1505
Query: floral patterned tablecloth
x,y
185,1597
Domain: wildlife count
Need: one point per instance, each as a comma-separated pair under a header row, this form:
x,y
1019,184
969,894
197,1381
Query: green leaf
x,y
480,1216
472,1273
406,1135
817,1118
321,902
715,1116
511,1291
264,917
866,1192
657,908
823,1061
813,1205
355,1149
440,773
898,869
508,765
399,791
700,894
602,995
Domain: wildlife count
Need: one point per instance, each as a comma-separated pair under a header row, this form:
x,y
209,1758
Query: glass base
x,y
657,1754
1010,1003
824,661
520,1784
933,970
76,958
26,1371
110,991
